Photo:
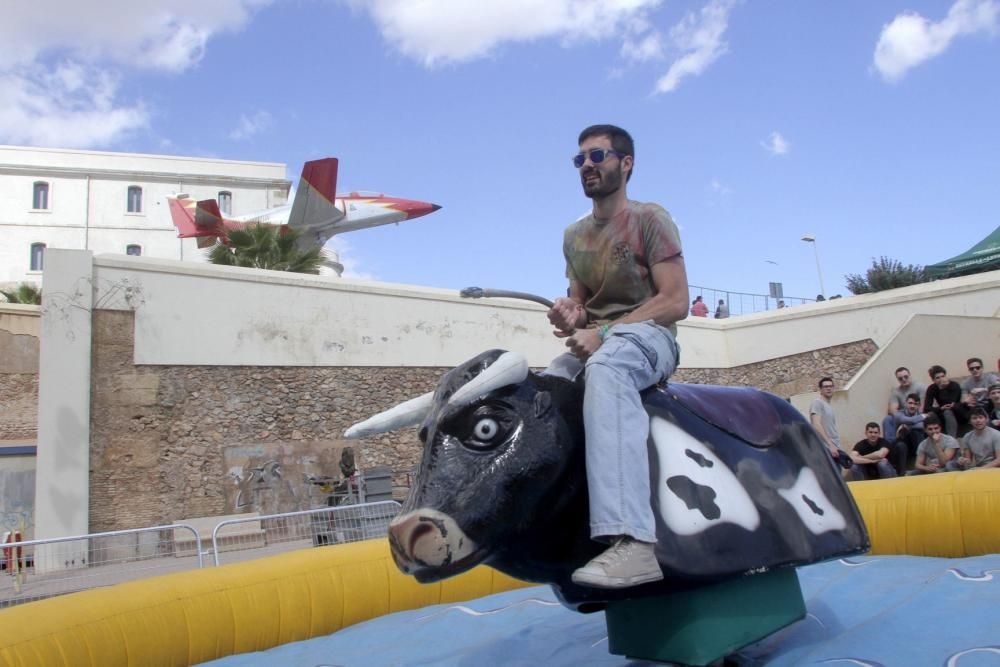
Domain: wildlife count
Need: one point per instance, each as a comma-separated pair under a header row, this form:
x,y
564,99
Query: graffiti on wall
x,y
280,477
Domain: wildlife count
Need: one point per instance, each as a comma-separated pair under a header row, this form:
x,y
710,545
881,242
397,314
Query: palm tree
x,y
28,293
273,247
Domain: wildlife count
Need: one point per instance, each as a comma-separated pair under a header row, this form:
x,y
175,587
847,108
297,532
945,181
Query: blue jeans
x,y
633,357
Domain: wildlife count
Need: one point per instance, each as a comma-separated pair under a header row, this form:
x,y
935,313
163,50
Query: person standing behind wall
x,y
722,310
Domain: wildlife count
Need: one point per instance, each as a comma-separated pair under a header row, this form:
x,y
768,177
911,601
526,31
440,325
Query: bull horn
x,y
509,368
408,413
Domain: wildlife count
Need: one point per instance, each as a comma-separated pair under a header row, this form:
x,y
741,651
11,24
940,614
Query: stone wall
x,y
19,406
176,442
787,376
18,386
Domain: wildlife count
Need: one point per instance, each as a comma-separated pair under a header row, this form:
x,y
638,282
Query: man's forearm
x,y
662,309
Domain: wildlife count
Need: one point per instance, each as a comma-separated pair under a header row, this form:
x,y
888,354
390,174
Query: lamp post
x,y
809,238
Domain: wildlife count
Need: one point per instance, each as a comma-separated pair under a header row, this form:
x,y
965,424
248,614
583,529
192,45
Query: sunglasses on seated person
x,y
596,155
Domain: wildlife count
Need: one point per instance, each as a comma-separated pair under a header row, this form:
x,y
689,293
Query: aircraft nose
x,y
415,209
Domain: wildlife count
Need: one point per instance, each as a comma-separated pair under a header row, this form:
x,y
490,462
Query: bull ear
x,y
408,413
543,401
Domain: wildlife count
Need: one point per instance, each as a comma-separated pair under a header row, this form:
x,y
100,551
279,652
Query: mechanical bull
x,y
740,483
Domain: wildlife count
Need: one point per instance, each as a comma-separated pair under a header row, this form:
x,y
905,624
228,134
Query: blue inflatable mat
x,y
891,610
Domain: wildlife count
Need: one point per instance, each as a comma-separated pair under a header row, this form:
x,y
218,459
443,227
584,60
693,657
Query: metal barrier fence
x,y
277,533
38,569
741,303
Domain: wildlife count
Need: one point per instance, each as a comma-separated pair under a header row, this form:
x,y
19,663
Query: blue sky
x,y
871,125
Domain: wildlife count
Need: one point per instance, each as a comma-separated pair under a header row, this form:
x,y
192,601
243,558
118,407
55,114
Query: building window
x,y
37,256
133,249
226,202
134,199
40,196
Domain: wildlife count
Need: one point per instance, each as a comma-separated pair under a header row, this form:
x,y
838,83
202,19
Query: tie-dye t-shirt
x,y
613,258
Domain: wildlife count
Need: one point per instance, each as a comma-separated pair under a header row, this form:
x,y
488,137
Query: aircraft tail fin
x,y
314,209
201,219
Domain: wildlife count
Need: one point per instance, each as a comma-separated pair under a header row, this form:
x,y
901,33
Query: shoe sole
x,y
598,581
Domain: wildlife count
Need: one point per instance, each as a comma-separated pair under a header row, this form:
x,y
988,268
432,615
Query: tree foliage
x,y
266,247
885,273
28,293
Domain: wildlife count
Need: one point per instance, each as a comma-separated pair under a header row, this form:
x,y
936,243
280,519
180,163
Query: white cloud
x,y
67,105
248,127
911,39
700,37
719,188
776,144
61,63
454,31
644,48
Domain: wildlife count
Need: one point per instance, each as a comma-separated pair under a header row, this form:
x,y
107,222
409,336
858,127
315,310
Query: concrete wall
x,y
752,338
201,375
17,492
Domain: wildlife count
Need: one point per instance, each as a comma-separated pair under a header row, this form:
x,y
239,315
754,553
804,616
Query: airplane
x,y
316,210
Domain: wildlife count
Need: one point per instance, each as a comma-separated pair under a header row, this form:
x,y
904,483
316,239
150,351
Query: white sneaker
x,y
627,562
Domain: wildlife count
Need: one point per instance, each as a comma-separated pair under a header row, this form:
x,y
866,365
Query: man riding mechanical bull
x,y
627,289
510,476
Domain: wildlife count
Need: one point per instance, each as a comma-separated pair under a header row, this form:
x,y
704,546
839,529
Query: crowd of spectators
x,y
943,426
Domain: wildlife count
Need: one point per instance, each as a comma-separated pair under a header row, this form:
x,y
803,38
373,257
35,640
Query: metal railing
x,y
298,530
43,568
741,303
38,569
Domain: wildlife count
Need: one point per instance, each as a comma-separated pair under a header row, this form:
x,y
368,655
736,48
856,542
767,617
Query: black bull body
x,y
740,484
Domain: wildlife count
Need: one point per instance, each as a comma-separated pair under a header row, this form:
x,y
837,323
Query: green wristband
x,y
602,332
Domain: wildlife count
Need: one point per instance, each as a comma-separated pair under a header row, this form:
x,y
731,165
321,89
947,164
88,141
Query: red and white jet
x,y
316,210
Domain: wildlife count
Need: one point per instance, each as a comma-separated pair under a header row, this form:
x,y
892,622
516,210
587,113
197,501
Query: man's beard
x,y
607,183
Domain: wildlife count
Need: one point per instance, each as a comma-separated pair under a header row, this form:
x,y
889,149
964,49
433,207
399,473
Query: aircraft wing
x,y
314,210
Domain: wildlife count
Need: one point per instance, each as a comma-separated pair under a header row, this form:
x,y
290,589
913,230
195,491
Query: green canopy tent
x,y
984,256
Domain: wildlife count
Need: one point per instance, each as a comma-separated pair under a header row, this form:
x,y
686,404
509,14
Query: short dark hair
x,y
822,380
915,396
872,425
978,412
935,369
931,419
621,141
969,361
901,368
992,387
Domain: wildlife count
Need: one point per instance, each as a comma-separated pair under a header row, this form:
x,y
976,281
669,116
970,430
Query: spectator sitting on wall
x,y
820,297
936,452
975,389
910,432
981,445
781,303
944,398
698,308
870,457
994,410
722,310
897,400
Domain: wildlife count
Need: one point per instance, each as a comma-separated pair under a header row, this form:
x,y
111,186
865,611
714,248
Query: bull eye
x,y
485,429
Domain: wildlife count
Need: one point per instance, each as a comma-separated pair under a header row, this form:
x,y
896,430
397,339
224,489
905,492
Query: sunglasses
x,y
596,155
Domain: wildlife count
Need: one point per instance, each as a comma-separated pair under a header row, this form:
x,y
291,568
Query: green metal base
x,y
699,626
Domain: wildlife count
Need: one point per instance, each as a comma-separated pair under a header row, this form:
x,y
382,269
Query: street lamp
x,y
809,238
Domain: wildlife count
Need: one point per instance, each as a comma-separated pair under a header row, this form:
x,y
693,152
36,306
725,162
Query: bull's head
x,y
496,452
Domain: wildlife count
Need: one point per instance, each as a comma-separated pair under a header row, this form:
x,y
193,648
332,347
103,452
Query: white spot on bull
x,y
811,504
733,501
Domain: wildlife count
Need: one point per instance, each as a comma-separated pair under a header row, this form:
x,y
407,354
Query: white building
x,y
115,202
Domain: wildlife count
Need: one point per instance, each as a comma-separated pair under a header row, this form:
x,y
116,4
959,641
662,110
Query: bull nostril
x,y
418,532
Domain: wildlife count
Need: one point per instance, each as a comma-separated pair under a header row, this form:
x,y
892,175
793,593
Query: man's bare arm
x,y
670,303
